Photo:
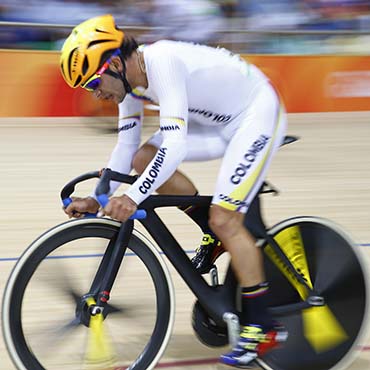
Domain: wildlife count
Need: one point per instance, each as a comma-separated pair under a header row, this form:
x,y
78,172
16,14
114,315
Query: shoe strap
x,y
252,332
209,239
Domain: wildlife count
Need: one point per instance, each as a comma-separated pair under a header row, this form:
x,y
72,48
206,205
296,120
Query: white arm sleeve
x,y
168,80
129,132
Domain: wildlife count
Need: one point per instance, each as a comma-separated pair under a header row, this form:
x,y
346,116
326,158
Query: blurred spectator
x,y
49,12
183,20
272,14
337,14
229,8
201,21
53,11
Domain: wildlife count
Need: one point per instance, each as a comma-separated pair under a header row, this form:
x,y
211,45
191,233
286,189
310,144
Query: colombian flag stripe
x,y
178,120
255,293
137,94
134,116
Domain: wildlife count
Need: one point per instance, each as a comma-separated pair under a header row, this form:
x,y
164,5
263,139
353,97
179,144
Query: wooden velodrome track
x,y
326,173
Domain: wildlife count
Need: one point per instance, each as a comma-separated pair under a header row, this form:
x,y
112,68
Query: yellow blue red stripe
x,y
177,120
133,116
136,93
256,293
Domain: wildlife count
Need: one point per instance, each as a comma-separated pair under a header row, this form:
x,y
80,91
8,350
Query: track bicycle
x,y
97,313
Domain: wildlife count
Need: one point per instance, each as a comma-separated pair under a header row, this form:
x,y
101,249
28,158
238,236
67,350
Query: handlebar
x,y
108,175
102,190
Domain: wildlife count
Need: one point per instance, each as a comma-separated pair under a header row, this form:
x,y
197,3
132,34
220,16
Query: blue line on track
x,y
15,259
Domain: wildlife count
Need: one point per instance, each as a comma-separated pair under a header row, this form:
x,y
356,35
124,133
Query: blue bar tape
x,y
138,215
103,200
66,202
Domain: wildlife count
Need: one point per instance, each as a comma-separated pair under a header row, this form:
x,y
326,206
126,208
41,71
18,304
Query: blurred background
x,y
246,26
316,53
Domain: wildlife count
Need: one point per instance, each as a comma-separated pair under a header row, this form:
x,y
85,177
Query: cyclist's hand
x,y
120,208
79,206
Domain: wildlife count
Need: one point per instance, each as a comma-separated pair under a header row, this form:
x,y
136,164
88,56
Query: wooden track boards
x,y
326,173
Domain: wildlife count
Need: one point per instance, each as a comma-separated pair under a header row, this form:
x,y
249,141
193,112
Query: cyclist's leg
x,y
242,172
202,144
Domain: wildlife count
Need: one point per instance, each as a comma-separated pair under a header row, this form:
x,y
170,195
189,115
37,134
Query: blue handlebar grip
x,y
138,215
89,215
103,199
66,202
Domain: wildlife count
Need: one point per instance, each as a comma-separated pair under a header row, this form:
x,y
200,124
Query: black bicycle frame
x,y
216,300
220,299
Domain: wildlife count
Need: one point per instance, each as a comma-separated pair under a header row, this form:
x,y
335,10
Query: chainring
x,y
206,329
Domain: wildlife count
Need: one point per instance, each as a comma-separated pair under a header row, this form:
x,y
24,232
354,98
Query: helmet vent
x,y
72,62
85,65
79,78
102,31
95,42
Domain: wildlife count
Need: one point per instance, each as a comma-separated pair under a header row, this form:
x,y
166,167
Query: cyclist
x,y
212,104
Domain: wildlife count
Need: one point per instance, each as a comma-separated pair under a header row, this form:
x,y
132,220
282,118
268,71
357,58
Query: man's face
x,y
110,88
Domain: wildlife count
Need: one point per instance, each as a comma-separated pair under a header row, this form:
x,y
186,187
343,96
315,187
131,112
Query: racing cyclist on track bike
x,y
212,104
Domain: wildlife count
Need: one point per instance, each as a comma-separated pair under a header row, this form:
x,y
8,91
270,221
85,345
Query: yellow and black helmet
x,y
82,51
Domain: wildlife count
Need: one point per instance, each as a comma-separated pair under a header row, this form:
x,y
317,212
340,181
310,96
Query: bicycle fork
x,y
94,307
109,267
95,302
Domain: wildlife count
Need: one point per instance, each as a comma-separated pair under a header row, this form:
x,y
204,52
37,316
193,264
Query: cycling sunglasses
x,y
94,81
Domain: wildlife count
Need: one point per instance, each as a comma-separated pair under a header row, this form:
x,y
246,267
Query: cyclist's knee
x,y
142,157
223,222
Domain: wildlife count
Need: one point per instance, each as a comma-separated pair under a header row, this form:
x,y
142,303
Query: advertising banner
x,y
31,85
315,83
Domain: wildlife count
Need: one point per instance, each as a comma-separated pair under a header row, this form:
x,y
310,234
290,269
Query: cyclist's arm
x,y
168,81
129,133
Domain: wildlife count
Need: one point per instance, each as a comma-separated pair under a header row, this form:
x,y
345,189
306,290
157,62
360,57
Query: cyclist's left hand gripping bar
x,y
70,188
103,189
67,201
